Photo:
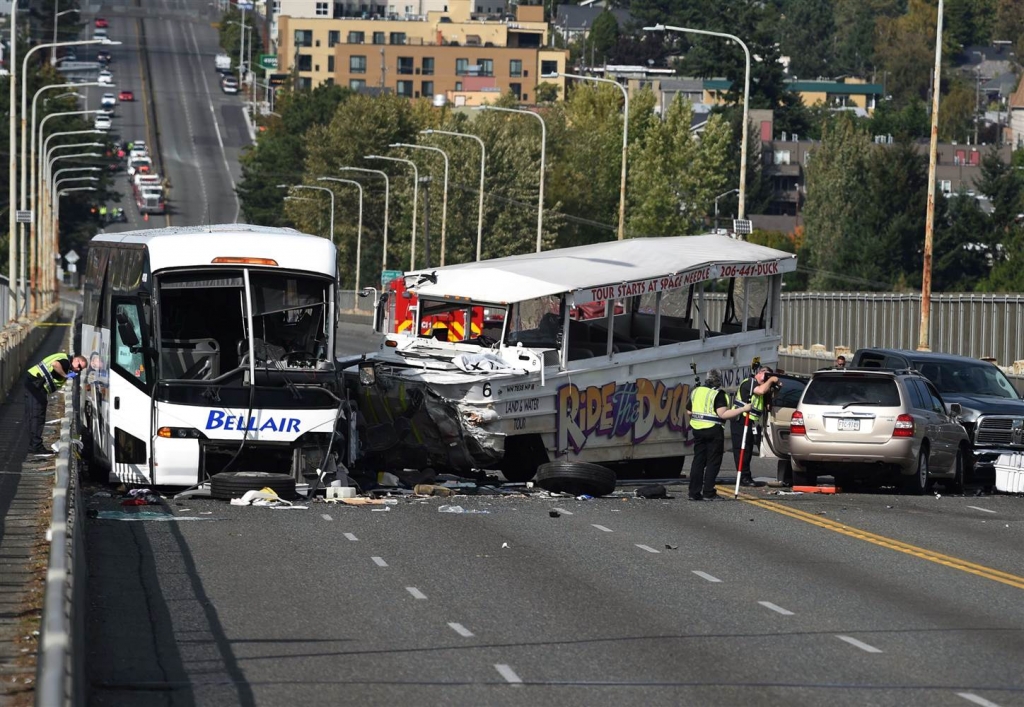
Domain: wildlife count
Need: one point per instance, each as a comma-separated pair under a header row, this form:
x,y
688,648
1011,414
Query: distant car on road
x,y
100,33
105,78
126,96
877,426
229,84
103,122
101,23
108,100
104,57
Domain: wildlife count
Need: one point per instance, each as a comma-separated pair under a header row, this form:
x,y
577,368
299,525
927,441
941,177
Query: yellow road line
x,y
54,324
889,543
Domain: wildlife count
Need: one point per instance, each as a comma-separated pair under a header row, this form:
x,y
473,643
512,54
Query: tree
x,y
835,195
279,152
957,115
547,92
910,122
1010,23
905,51
674,177
603,37
969,21
962,251
808,36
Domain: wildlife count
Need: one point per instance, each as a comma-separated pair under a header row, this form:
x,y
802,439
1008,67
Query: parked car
x,y
108,100
877,426
993,411
141,164
103,122
104,57
101,23
100,33
229,84
105,78
780,409
126,96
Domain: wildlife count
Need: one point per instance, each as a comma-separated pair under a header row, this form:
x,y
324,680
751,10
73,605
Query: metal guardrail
x,y
61,667
975,325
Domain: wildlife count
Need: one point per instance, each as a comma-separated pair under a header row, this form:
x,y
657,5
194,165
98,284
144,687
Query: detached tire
x,y
233,484
577,478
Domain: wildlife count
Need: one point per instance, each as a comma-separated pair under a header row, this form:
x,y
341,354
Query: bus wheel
x,y
523,454
577,478
233,484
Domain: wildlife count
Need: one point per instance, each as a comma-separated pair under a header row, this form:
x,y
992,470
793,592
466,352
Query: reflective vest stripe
x,y
702,416
756,401
702,408
45,371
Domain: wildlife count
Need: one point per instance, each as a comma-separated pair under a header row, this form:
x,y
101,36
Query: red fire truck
x,y
447,326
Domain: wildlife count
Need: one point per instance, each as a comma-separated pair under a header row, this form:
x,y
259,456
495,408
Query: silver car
x,y
878,426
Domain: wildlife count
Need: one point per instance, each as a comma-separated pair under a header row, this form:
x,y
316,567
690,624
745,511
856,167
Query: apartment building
x,y
447,51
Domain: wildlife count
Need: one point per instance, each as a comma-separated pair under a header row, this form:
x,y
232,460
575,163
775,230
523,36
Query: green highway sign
x,y
268,62
387,276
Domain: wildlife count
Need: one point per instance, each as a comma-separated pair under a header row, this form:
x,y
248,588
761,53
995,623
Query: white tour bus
x,y
592,361
209,347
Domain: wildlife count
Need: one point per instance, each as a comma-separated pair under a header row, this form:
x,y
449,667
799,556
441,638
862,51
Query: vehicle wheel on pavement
x,y
959,472
784,472
233,484
577,478
804,478
918,483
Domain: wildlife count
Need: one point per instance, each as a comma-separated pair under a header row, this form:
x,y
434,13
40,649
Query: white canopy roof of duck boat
x,y
602,271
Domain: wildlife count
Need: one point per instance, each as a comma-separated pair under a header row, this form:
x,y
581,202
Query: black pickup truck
x,y
993,411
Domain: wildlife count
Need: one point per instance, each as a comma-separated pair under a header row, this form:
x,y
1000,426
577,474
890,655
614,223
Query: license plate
x,y
849,425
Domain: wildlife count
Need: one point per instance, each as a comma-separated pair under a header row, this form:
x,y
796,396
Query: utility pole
x,y
929,228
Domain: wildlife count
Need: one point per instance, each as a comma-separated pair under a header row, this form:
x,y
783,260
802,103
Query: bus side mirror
x,y
126,332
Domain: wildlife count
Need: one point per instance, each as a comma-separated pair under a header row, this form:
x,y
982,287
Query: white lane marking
x,y
461,630
776,608
326,516
648,548
416,593
216,127
859,644
976,700
351,536
979,508
508,673
601,528
705,575
379,561
562,511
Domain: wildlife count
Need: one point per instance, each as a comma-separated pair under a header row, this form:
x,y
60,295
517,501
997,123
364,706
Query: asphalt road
x,y
196,131
854,599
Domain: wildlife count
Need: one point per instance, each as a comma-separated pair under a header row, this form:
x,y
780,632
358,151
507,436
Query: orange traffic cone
x,y
145,217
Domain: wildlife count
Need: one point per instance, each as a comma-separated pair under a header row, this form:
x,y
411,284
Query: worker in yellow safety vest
x,y
751,390
706,413
46,377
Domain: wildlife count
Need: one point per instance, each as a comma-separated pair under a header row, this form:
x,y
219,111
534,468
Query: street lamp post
x,y
444,193
543,149
33,231
727,193
45,241
387,200
53,48
483,168
12,273
56,231
625,142
359,231
741,209
22,204
309,186
415,196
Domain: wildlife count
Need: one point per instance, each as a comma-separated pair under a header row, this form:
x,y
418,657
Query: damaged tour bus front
x,y
211,349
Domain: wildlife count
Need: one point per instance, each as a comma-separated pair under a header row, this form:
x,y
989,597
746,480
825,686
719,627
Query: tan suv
x,y
876,426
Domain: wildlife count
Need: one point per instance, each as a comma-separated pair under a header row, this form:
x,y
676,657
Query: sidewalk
x,y
25,498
